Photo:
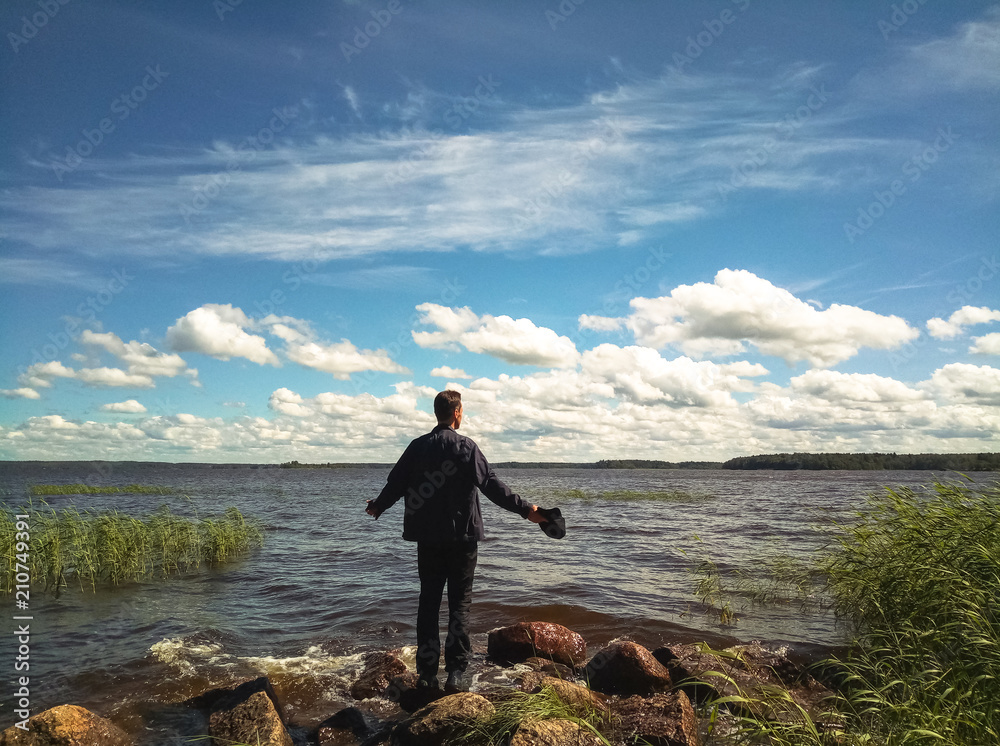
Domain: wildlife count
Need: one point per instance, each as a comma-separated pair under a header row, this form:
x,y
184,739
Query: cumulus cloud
x,y
130,406
739,307
219,331
20,393
965,316
965,382
141,358
853,387
516,341
445,372
986,345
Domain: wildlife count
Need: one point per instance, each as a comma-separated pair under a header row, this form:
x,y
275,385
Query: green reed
x,y
91,547
90,489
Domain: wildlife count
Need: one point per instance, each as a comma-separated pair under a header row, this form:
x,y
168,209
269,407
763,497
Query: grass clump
x,y
917,577
92,547
78,488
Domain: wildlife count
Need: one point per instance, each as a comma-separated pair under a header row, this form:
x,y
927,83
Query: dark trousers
x,y
452,564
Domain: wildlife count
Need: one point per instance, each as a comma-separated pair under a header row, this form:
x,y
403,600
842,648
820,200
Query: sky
x,y
242,231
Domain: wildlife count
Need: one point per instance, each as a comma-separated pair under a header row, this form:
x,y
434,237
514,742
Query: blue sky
x,y
258,231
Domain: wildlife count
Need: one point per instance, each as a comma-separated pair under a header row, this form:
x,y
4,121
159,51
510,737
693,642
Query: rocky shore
x,y
623,694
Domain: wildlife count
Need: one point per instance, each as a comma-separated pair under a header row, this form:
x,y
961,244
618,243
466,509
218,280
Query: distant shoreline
x,y
960,462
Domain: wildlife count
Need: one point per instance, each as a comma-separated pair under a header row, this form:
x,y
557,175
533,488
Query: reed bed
x,y
89,489
94,547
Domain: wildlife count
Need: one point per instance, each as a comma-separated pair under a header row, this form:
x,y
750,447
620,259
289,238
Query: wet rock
x,y
442,720
518,642
582,700
66,725
343,728
752,671
626,668
227,698
403,690
550,668
553,733
660,720
254,720
379,670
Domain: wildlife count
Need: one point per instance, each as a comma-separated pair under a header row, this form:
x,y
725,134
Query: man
x,y
438,474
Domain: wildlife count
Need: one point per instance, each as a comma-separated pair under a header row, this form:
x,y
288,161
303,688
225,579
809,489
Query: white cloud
x,y
986,345
445,372
719,318
516,341
600,323
20,393
288,402
853,387
964,316
219,331
964,382
129,406
114,377
969,59
140,357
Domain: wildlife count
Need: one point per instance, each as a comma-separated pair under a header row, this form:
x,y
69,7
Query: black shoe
x,y
457,682
428,682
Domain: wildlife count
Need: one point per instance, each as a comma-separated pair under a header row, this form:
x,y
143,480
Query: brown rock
x,y
626,668
66,725
403,690
551,668
660,720
345,727
518,642
582,700
379,670
442,719
226,699
253,721
553,733
754,672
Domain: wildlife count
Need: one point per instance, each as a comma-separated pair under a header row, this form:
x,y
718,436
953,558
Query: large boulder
x,y
227,698
66,725
441,720
553,733
626,668
252,721
380,669
519,642
751,671
660,720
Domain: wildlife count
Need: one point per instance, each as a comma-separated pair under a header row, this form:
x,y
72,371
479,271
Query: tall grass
x,y
78,488
918,579
92,547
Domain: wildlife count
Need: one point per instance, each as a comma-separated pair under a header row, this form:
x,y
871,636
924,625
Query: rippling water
x,y
331,583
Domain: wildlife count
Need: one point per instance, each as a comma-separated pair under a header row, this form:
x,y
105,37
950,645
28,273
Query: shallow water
x,y
331,583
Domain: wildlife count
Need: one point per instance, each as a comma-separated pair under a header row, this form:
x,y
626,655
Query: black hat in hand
x,y
555,524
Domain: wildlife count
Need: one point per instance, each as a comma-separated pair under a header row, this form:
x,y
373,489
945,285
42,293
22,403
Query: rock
x,y
660,720
345,727
254,721
551,668
626,668
379,670
754,672
553,733
226,699
403,690
66,725
518,642
442,719
582,700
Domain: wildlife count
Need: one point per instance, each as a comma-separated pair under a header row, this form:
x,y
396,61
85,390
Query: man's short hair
x,y
446,403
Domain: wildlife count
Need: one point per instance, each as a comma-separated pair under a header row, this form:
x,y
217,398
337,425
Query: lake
x,y
331,583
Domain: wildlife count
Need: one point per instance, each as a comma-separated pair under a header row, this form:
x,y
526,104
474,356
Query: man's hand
x,y
534,516
371,510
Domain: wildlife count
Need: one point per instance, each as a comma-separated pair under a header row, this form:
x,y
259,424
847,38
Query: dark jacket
x,y
437,475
